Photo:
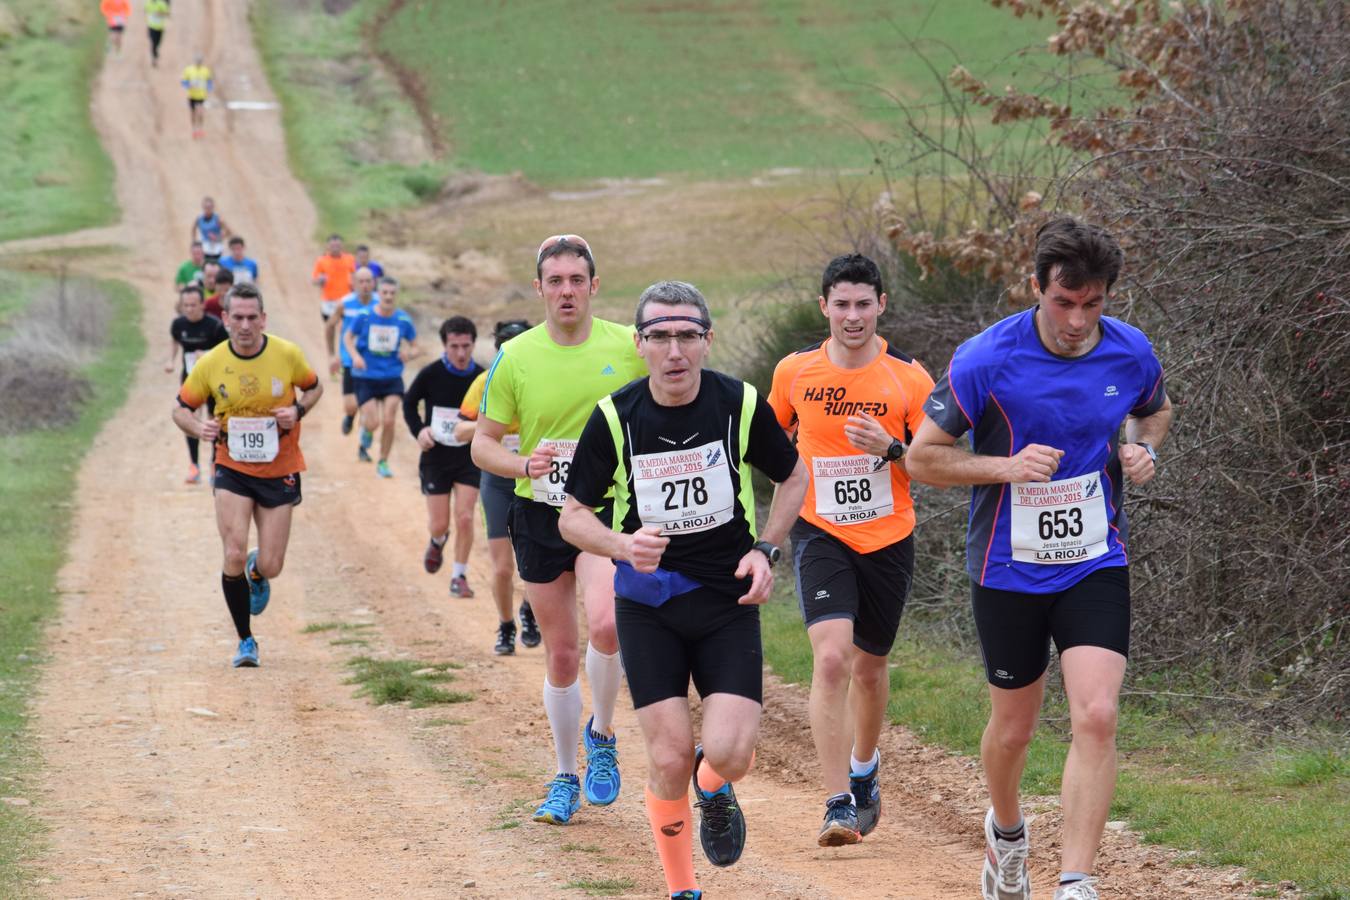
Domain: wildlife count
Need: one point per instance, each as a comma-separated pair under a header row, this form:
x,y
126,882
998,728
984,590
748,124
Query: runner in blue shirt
x,y
1044,394
353,306
244,268
379,343
362,256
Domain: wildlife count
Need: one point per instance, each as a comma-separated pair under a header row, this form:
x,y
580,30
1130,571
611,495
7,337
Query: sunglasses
x,y
551,242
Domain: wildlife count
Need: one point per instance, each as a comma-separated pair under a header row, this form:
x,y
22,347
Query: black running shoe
x,y
868,797
506,639
529,628
841,823
721,827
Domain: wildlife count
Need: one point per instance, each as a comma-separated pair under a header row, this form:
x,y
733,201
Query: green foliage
x,y
399,680
602,887
37,475
56,176
618,89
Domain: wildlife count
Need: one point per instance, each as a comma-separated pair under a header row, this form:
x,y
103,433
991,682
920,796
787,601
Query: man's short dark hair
x,y
504,331
335,237
561,247
245,290
224,276
853,268
458,325
1075,254
191,289
195,245
236,241
362,248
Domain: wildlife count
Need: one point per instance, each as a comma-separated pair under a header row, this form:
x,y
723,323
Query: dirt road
x,y
169,774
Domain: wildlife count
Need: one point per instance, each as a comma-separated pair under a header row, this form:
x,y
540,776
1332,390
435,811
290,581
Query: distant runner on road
x,y
262,386
495,495
115,13
191,335
241,266
1044,394
198,81
549,379
191,271
675,450
335,330
156,17
379,343
332,275
210,229
362,257
854,403
431,411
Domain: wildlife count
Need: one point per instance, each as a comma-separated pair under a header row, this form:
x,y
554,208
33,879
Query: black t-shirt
x,y
689,473
436,386
197,337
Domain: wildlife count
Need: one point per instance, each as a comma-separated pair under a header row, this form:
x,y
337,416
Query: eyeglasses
x,y
685,339
555,240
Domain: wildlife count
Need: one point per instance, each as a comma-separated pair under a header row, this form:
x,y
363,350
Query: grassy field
x,y
56,176
37,472
617,89
1281,810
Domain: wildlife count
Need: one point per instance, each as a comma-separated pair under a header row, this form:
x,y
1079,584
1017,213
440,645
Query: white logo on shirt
x,y
1111,391
937,405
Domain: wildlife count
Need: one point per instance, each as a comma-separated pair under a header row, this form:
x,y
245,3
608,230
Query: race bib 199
x,y
252,440
1059,522
548,488
443,421
852,489
382,338
684,491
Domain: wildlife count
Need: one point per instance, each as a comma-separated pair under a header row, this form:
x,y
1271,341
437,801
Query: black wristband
x,y
300,410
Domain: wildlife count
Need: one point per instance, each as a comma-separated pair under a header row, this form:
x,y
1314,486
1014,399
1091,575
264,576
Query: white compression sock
x,y
604,673
860,767
563,707
458,570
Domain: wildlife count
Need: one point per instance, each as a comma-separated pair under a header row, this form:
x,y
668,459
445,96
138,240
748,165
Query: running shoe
x,y
721,827
1078,890
347,422
247,657
867,797
367,438
840,827
506,639
1005,866
433,558
194,475
459,587
259,588
687,895
602,767
362,455
529,628
564,799
382,469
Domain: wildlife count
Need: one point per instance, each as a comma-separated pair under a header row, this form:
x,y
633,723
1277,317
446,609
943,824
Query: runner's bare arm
x,y
582,528
358,361
489,454
330,331
786,506
188,423
174,347
464,430
1152,429
935,459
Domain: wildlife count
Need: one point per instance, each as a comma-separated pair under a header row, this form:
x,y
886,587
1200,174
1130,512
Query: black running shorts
x,y
193,103
266,492
438,478
348,382
834,581
704,635
1016,629
541,553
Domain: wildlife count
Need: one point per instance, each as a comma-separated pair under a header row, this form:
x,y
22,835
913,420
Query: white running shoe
x,y
1078,890
1005,866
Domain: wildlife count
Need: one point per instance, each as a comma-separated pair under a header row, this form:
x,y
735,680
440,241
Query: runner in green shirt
x,y
549,379
191,270
156,16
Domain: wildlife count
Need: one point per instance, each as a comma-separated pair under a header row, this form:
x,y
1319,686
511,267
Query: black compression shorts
x,y
704,635
1016,629
266,492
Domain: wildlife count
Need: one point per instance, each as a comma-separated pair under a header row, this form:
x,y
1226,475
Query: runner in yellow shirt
x,y
156,16
198,80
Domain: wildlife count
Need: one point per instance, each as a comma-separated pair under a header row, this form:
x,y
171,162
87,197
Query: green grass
x,y
403,680
602,887
317,627
37,475
56,176
1282,811
621,89
347,123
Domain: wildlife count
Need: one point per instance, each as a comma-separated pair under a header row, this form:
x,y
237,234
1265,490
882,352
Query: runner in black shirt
x,y
431,409
676,447
193,333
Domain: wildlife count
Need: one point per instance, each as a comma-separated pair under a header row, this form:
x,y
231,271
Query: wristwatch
x,y
1148,448
769,550
300,411
896,450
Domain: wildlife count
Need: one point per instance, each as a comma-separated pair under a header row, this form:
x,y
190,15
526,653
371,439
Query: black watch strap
x,y
769,550
896,451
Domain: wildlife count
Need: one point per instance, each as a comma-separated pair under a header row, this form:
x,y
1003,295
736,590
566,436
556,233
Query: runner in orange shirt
x,y
116,13
333,276
854,403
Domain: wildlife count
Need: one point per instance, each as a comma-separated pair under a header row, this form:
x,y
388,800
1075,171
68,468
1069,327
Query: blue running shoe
x,y
247,657
721,827
362,455
867,796
259,589
564,799
602,767
840,827
687,895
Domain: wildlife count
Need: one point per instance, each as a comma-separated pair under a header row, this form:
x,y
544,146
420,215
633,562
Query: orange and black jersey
x,y
861,499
